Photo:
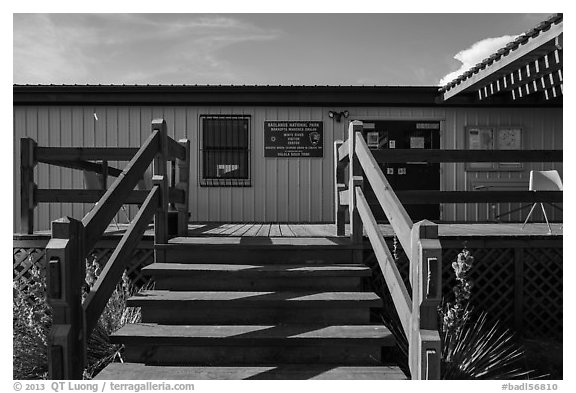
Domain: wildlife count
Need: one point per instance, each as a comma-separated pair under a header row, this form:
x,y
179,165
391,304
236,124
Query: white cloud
x,y
475,54
128,48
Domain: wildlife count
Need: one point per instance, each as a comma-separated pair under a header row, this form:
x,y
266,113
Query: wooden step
x,y
253,344
204,335
219,307
257,277
139,371
163,298
248,270
269,250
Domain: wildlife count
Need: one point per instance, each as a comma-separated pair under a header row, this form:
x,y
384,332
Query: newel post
x,y
184,185
65,276
27,187
355,179
160,178
426,268
339,185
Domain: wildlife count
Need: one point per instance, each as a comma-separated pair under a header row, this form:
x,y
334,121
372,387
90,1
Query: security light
x,y
338,115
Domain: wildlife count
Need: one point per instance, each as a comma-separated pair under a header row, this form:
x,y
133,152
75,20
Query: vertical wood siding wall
x,y
283,189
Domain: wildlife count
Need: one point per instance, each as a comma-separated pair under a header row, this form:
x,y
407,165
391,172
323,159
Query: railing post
x,y
65,276
184,185
355,180
339,185
27,201
426,267
160,178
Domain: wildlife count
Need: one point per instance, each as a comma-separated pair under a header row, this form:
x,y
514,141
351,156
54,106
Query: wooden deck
x,y
490,230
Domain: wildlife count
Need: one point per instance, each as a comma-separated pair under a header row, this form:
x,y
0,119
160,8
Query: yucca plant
x,y
482,350
473,347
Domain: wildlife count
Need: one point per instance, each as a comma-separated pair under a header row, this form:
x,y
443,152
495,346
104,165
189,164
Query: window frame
x,y
223,182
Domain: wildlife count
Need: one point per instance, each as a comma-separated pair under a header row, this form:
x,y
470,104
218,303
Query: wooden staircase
x,y
255,308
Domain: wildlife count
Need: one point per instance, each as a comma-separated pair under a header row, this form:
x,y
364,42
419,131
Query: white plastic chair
x,y
544,181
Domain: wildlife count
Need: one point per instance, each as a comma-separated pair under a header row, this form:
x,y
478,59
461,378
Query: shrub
x,y
32,319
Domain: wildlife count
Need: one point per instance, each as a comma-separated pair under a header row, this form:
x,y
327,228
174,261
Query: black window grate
x,y
225,151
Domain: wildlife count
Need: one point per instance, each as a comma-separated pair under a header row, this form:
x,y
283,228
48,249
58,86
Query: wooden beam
x,y
176,150
103,288
84,166
392,277
343,151
65,273
160,179
355,180
339,187
544,39
426,282
425,197
433,197
183,185
438,155
97,220
344,197
28,162
86,153
136,197
393,208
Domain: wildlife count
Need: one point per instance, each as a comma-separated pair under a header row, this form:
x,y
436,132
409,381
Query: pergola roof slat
x,y
517,67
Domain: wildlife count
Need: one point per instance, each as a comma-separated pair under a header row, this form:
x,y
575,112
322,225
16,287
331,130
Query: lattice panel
x,y
139,259
25,258
542,292
493,283
494,277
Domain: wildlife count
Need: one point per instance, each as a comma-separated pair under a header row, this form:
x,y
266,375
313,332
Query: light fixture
x,y
338,115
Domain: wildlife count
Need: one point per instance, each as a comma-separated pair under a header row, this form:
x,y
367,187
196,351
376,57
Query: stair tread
x,y
280,270
138,371
152,333
146,298
275,242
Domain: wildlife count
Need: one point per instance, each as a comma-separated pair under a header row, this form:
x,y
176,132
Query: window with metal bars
x,y
224,151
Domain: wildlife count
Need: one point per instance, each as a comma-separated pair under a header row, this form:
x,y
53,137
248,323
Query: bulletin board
x,y
490,138
479,138
509,138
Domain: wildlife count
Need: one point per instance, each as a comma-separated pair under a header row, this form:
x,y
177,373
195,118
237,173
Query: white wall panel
x,y
283,189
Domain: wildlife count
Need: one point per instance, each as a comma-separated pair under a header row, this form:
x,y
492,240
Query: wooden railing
x,y
72,240
82,158
417,312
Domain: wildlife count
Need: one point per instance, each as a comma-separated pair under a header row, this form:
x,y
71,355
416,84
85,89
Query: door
x,y
386,134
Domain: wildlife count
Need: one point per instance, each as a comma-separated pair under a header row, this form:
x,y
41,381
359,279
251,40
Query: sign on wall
x,y
293,139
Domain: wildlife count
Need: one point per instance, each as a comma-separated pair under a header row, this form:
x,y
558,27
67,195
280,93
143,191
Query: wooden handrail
x,y
135,197
343,151
430,197
112,272
45,154
393,208
176,150
339,187
393,280
98,219
418,315
443,155
72,240
85,166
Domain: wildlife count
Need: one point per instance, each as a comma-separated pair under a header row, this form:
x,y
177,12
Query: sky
x,y
261,49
